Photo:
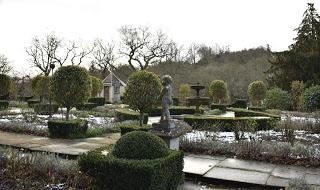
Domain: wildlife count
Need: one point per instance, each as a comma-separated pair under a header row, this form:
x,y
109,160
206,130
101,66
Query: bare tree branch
x,y
103,55
4,65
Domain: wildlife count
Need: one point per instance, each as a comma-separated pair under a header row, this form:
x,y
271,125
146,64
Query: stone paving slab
x,y
247,165
237,175
198,166
313,179
278,181
290,172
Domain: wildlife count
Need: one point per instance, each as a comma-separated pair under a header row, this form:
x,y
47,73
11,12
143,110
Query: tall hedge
x,y
218,91
142,91
257,92
41,87
312,98
5,85
278,99
96,86
71,85
297,89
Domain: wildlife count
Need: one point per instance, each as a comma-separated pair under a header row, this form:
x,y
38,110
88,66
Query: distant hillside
x,y
238,69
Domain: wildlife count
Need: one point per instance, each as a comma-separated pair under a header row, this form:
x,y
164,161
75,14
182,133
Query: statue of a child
x,y
166,97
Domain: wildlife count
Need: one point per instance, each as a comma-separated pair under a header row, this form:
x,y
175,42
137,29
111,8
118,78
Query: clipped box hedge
x,y
86,106
226,123
257,108
174,110
129,128
239,112
124,114
67,129
100,101
4,104
44,109
114,173
240,103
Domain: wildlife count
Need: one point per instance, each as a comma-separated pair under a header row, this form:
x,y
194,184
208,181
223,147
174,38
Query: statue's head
x,y
166,80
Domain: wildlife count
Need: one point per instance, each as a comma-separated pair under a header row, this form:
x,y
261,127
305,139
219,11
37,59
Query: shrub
x,y
110,172
100,101
239,112
127,128
44,109
257,92
312,98
96,86
123,114
239,103
67,129
222,107
41,87
184,92
4,104
140,145
32,102
176,101
227,123
5,85
297,88
71,85
142,91
86,106
255,108
218,91
278,99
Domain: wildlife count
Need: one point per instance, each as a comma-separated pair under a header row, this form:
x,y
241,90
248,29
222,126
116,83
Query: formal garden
x,y
77,129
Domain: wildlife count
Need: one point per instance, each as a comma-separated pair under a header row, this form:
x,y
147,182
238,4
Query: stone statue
x,y
166,97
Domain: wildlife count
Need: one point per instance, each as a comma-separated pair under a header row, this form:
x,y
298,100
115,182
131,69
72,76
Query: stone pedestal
x,y
170,132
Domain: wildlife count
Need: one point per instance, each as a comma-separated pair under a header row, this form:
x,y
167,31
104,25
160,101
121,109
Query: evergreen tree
x,y
302,60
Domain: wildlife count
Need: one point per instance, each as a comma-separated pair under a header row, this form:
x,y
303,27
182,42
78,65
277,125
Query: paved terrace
x,y
214,167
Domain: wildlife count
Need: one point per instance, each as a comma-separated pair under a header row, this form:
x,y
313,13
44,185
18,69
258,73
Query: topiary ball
x,y
140,145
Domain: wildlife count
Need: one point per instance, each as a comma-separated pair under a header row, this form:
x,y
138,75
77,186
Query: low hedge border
x,y
86,106
129,128
32,102
227,123
4,104
221,107
239,112
67,129
98,100
174,110
44,109
124,114
110,172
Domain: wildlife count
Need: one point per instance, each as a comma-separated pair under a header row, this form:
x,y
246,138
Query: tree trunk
x,y
68,112
141,118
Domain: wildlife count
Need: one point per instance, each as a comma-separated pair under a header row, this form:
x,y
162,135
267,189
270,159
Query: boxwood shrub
x,y
239,112
86,106
124,114
67,129
4,104
100,101
44,109
174,110
227,123
256,108
32,102
240,103
111,172
312,98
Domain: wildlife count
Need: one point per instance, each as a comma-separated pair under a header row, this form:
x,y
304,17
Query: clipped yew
x,y
5,85
142,91
71,85
218,91
257,91
96,86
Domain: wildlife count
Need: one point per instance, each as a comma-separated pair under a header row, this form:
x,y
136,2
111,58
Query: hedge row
x,y
67,129
32,102
98,100
174,110
123,114
239,112
110,172
86,106
4,104
227,123
221,107
44,109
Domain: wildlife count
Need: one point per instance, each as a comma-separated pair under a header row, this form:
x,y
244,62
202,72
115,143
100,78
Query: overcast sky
x,y
237,23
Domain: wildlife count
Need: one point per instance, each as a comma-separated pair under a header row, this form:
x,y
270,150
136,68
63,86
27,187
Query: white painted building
x,y
113,88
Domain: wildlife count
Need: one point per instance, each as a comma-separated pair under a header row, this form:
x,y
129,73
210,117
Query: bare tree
x,y
4,64
142,47
52,50
103,56
193,53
